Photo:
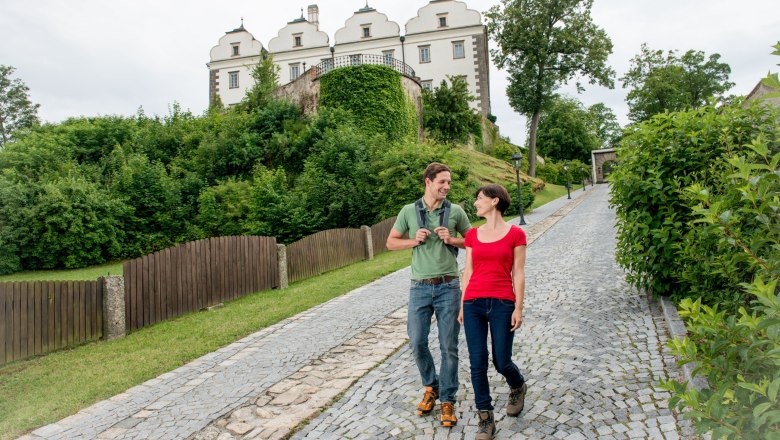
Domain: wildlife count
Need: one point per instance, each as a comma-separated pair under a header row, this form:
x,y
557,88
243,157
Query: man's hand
x,y
443,233
421,235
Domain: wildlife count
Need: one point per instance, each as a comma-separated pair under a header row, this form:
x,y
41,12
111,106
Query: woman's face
x,y
485,204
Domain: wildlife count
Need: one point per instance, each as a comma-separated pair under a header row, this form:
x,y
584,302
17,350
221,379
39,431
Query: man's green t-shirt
x,y
432,258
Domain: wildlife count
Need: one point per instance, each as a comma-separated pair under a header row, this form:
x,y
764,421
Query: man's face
x,y
439,187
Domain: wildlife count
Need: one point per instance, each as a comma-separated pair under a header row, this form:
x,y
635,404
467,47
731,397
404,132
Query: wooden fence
x,y
37,317
324,251
196,275
379,233
42,316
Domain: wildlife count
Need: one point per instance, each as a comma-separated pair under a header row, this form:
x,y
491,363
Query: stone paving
x,y
591,349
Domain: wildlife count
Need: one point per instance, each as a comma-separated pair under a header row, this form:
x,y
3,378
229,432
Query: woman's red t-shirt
x,y
491,276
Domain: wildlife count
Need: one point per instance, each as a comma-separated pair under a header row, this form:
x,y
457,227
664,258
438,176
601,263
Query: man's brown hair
x,y
433,169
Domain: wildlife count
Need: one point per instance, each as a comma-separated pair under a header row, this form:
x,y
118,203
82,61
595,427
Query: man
x,y
435,286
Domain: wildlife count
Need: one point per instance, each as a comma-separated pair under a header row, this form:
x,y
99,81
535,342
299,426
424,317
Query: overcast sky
x,y
110,57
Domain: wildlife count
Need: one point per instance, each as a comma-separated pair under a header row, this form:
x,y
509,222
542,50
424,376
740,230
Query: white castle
x,y
444,39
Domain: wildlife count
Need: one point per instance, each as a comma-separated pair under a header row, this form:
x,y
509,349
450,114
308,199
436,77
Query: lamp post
x,y
583,177
516,160
566,168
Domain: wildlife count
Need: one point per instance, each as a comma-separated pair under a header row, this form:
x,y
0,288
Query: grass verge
x,y
86,273
45,389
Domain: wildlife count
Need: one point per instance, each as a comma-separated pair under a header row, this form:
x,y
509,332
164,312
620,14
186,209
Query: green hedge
x,y
374,96
697,195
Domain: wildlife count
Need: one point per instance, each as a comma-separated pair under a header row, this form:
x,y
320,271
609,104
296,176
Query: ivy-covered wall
x,y
375,97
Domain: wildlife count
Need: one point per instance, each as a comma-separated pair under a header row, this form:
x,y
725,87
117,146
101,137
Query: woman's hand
x,y
517,319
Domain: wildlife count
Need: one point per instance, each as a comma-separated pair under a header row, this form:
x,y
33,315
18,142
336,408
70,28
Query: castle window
x,y
297,41
425,54
366,31
458,50
427,85
234,47
442,21
388,56
295,71
233,80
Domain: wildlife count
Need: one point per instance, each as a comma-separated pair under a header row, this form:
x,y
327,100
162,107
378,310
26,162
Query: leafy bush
x,y
373,95
72,223
554,172
658,160
447,117
738,353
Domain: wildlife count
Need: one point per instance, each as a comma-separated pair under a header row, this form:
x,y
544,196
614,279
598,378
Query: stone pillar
x,y
369,242
281,258
114,307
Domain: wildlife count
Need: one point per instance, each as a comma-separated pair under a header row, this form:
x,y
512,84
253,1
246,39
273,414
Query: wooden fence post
x,y
369,242
281,256
113,307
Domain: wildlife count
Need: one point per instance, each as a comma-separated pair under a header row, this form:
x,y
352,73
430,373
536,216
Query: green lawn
x,y
87,273
42,390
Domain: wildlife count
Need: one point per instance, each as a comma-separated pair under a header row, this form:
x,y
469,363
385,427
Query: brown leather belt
x,y
437,280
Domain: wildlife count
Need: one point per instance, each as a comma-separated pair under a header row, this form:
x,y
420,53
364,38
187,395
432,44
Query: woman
x,y
493,289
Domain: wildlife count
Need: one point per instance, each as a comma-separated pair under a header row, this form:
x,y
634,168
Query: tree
x,y
447,116
543,44
16,110
604,125
672,83
564,131
266,76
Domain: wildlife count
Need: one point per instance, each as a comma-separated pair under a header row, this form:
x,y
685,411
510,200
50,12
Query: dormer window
x,y
297,40
442,21
366,31
234,49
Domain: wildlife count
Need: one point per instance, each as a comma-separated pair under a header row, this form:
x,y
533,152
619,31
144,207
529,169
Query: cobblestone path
x,y
591,349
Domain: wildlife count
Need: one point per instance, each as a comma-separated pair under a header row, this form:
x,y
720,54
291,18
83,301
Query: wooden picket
x,y
37,317
196,275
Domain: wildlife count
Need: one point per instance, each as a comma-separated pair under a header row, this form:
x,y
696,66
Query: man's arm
x,y
397,242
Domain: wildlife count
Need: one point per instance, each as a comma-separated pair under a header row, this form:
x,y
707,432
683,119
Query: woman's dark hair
x,y
494,190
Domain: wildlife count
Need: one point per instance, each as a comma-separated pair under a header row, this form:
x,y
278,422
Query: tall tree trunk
x,y
532,143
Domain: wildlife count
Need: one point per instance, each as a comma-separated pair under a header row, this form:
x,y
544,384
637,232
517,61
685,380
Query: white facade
x,y
445,38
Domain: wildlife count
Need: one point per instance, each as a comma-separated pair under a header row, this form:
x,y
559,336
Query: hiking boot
x,y
448,417
516,401
485,426
427,402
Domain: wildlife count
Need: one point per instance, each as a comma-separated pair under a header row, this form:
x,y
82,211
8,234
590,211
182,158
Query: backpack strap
x,y
444,214
422,216
444,220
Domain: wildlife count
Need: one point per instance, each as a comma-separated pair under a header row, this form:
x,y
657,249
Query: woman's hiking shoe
x,y
516,401
485,425
428,401
448,417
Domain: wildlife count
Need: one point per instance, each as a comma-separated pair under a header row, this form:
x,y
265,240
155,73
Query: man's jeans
x,y
478,315
443,300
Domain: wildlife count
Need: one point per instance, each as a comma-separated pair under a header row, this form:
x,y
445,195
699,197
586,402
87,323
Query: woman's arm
x,y
467,270
518,284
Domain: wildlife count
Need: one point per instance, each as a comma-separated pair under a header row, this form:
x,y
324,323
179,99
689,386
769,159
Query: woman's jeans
x,y
443,300
494,314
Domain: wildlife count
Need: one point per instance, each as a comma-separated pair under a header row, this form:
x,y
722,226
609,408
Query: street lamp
x,y
583,177
516,160
566,168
